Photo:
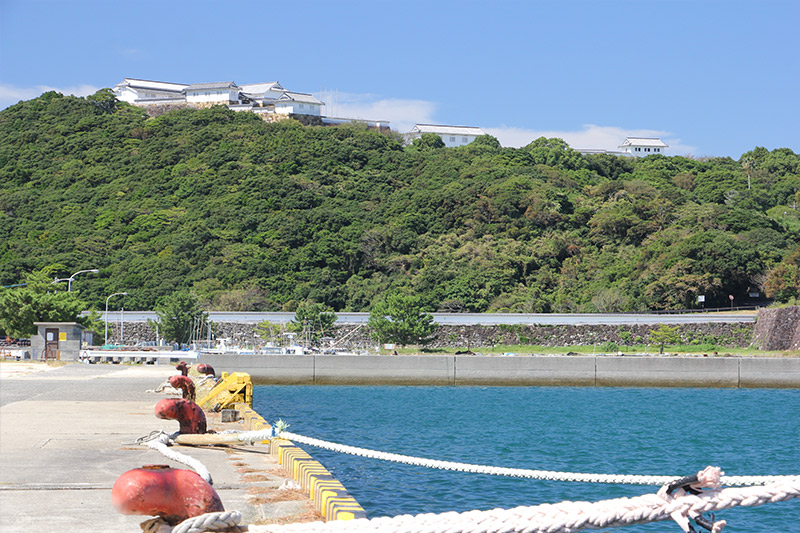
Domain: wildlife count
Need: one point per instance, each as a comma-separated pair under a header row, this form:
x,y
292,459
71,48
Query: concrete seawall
x,y
584,371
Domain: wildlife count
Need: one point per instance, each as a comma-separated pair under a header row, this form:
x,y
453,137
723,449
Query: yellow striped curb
x,y
330,497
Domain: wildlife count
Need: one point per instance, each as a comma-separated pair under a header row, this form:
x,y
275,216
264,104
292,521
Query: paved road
x,y
465,319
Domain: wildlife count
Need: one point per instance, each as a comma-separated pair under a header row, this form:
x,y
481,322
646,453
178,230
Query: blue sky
x,y
711,78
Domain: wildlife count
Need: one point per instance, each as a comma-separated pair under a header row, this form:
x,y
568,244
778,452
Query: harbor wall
x,y
602,371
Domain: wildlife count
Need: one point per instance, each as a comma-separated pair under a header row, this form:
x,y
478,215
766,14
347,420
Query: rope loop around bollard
x,y
227,520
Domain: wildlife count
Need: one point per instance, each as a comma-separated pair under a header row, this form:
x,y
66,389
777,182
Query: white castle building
x,y
259,98
642,146
631,146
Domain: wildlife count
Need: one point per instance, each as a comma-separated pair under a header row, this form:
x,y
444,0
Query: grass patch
x,y
712,350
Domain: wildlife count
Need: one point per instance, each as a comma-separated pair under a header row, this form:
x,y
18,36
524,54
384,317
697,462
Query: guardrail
x,y
486,319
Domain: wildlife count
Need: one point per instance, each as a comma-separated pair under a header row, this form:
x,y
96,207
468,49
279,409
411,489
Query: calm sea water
x,y
597,430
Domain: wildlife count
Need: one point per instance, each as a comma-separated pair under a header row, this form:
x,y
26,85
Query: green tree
x,y
313,319
783,281
104,99
400,319
39,301
428,141
178,316
267,330
664,335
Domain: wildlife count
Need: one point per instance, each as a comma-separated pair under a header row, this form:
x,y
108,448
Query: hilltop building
x,y
270,100
631,146
642,146
261,98
451,135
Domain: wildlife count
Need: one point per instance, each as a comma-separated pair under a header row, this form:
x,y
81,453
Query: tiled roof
x,y
153,85
261,88
300,98
213,85
447,130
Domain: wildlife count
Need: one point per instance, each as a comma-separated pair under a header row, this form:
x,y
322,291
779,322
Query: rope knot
x,y
689,488
709,477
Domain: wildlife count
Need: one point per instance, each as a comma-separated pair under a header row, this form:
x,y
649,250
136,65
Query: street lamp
x,y
106,315
72,277
69,282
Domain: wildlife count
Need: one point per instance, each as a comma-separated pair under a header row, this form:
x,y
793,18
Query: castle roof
x,y
447,130
212,85
652,142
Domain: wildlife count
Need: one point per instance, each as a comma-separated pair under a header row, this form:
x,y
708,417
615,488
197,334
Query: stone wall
x,y
727,335
723,335
778,329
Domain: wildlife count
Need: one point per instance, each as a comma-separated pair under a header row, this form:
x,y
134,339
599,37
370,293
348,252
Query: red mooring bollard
x,y
185,384
158,490
183,368
208,370
187,413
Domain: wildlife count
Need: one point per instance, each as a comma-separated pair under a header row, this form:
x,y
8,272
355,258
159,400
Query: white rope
x,y
160,441
209,522
166,388
252,436
205,378
564,517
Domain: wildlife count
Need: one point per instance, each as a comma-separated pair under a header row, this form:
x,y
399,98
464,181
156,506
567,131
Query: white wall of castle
x,y
212,95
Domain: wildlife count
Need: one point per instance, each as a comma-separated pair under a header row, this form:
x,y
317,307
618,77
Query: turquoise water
x,y
597,430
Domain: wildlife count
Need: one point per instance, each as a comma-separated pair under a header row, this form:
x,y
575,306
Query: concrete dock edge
x,y
584,371
329,496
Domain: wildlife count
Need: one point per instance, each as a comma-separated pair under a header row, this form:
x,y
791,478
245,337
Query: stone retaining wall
x,y
778,329
472,337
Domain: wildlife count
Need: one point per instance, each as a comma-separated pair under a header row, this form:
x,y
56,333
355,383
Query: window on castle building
x,y
452,139
464,140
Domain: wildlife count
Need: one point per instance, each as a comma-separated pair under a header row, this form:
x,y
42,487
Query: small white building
x,y
642,146
146,92
290,103
451,135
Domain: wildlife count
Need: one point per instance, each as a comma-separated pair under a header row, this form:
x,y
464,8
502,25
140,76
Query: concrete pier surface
x,y
67,433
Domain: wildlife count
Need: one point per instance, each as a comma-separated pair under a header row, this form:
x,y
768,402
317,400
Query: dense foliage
x,y
251,215
37,300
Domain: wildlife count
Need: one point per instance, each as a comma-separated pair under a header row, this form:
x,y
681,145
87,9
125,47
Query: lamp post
x,y
72,277
106,315
69,282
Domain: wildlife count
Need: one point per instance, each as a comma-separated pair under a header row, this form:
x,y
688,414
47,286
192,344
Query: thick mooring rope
x,y
738,481
564,517
159,441
210,522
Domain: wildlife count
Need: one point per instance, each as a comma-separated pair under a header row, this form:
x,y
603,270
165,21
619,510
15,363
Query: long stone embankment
x,y
736,335
583,371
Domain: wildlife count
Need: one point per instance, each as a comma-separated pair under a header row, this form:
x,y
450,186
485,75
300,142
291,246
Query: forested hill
x,y
255,216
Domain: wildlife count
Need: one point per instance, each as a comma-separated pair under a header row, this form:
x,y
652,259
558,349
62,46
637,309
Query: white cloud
x,y
402,114
10,95
590,136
